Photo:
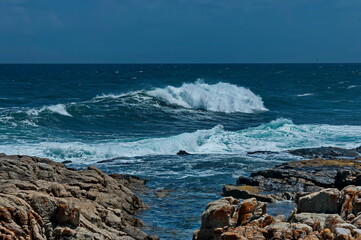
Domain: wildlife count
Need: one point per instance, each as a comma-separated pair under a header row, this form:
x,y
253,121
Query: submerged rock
x,y
162,193
42,199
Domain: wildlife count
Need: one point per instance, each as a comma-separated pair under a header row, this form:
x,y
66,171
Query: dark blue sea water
x,y
141,115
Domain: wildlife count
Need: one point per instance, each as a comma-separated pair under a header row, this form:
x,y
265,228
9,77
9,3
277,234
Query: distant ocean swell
x,y
277,135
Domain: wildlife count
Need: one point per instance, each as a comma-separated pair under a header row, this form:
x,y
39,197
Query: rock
x,y
306,176
218,214
325,152
343,234
228,219
249,210
262,152
182,153
162,193
325,201
312,219
67,215
351,201
247,181
134,183
58,190
356,233
226,212
41,199
326,234
357,221
66,162
346,177
280,230
244,192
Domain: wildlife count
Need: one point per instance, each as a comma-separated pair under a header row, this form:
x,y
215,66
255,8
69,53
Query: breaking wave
x,y
278,135
220,97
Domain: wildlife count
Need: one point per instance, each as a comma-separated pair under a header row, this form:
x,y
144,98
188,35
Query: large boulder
x,y
226,212
325,201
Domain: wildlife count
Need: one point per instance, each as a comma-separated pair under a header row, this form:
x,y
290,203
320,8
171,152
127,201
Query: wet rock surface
x,y
42,199
288,179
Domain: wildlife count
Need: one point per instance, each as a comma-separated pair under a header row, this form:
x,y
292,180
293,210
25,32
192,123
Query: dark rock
x,y
262,152
242,193
347,177
247,181
182,153
66,162
325,152
307,175
358,149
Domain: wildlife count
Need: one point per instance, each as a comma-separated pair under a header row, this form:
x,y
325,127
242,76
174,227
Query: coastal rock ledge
x,y
42,199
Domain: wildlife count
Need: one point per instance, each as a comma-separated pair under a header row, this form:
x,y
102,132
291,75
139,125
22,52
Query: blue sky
x,y
180,31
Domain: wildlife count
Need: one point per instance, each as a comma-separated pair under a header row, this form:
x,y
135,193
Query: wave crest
x,y
220,97
58,108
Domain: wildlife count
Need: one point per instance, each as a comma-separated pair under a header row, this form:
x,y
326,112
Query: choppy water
x,y
141,115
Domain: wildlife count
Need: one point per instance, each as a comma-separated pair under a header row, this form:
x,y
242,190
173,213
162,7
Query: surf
x,y
276,136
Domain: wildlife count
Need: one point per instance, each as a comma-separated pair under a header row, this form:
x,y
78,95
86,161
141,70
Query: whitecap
x,y
353,86
220,97
58,108
305,94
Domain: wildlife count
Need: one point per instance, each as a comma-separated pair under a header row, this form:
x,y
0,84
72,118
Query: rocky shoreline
x,y
327,192
42,199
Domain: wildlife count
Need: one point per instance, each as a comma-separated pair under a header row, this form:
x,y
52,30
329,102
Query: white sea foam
x,y
58,108
220,97
353,86
115,96
305,94
278,135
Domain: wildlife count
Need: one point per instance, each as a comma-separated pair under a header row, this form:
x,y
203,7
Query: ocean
x,y
139,116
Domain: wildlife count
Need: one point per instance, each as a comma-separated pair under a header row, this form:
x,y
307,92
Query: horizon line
x,y
160,63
